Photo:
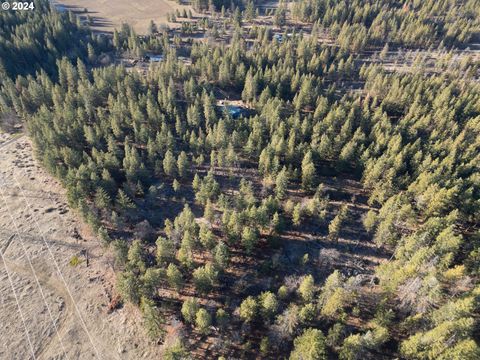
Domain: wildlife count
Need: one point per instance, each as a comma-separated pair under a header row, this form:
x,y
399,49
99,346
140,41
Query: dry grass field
x,y
108,14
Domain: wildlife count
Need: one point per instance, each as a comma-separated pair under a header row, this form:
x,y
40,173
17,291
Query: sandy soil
x,y
48,308
108,14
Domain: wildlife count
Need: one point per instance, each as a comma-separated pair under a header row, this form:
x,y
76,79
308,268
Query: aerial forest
x,y
337,216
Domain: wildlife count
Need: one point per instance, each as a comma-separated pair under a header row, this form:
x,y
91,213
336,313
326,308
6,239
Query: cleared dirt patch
x,y
107,14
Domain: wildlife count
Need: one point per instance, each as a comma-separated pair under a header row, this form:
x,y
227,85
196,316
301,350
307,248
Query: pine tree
x,y
209,212
169,166
165,250
196,183
305,96
205,277
221,256
281,184
123,201
268,304
152,28
182,165
174,277
248,309
308,172
175,350
128,286
176,185
151,281
307,288
203,320
250,89
116,39
237,17
249,239
189,309
280,16
309,346
333,297
207,239
276,224
297,214
102,199
249,12
336,224
384,52
92,58
136,256
370,220
153,319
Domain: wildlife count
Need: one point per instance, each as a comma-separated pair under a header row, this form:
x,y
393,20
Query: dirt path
x,y
8,141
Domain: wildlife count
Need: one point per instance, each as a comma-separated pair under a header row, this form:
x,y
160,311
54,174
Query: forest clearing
x,y
107,15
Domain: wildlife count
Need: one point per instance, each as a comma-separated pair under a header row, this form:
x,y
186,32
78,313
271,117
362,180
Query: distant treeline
x,y
35,40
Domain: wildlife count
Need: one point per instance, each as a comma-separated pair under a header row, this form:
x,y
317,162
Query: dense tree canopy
x,y
31,41
189,195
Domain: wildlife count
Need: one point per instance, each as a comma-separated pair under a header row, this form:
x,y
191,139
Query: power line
x,y
59,271
18,305
35,275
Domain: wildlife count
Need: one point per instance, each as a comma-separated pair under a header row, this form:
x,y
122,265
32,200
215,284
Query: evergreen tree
x,y
169,166
308,171
249,239
281,184
165,250
204,278
152,318
182,164
249,12
309,346
174,277
152,28
203,320
129,286
189,310
307,288
268,304
248,309
221,255
336,224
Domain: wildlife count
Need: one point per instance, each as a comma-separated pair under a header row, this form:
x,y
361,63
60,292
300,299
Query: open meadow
x,y
108,15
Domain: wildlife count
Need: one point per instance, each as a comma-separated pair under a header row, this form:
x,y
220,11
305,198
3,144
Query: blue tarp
x,y
234,110
156,58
